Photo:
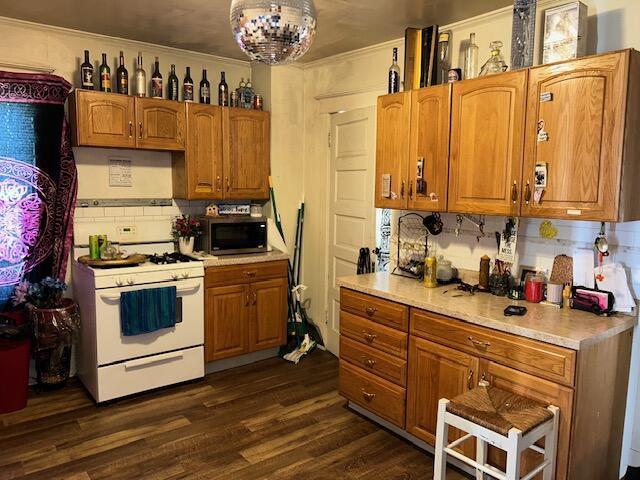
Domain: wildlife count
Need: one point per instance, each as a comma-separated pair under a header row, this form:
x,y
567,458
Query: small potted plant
x,y
185,229
55,320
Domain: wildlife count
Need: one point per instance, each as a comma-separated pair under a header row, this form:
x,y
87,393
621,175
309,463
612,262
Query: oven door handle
x,y
182,289
143,362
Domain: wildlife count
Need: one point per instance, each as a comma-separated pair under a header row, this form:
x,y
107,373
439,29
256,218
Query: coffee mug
x,y
433,224
554,293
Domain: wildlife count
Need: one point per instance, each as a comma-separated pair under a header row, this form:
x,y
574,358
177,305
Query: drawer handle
x,y
470,380
368,362
145,362
370,311
478,343
369,337
140,130
251,273
368,396
130,129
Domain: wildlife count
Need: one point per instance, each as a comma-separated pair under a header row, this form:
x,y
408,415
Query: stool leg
x,y
513,455
481,456
551,444
442,439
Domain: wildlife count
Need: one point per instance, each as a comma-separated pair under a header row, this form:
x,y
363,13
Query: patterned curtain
x,y
38,180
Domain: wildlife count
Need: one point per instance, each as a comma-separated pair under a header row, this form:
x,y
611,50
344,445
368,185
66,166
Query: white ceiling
x,y
203,25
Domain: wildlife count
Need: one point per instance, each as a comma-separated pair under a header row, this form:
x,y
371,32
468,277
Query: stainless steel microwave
x,y
233,235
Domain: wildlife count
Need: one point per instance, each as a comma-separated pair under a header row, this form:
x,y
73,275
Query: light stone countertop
x,y
564,327
224,260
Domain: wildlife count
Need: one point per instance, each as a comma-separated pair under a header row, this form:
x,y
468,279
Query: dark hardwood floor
x,y
267,420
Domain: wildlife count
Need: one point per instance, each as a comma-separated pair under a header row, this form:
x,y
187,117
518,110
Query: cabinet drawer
x,y
373,393
538,358
234,274
370,333
382,311
386,366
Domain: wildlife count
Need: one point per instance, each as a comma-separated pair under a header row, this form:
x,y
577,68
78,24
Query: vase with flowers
x,y
55,321
185,229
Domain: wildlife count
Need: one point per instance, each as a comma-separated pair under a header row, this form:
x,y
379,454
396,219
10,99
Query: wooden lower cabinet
x,y
537,389
243,317
436,372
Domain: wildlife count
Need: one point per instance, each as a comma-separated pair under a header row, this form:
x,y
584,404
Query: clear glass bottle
x,y
496,63
140,78
240,92
394,74
471,58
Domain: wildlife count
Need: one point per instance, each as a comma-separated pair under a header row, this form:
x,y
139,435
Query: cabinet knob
x,y
470,380
527,193
255,298
369,337
250,273
140,130
219,183
246,299
370,311
514,192
368,362
402,190
130,129
368,396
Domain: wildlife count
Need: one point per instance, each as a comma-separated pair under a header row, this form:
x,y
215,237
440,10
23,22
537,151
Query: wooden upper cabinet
x,y
160,124
246,163
487,140
429,151
268,326
436,372
203,156
580,105
102,119
392,149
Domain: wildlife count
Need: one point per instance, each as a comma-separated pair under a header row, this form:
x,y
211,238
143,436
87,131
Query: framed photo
x,y
524,270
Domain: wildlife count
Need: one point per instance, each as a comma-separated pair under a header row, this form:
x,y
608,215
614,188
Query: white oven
x,y
112,365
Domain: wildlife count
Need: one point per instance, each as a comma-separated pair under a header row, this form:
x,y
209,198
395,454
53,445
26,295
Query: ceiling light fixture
x,y
273,32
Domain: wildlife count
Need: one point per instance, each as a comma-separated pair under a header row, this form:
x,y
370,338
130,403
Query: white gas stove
x,y
112,365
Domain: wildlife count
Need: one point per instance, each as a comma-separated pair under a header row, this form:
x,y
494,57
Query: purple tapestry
x,y
38,179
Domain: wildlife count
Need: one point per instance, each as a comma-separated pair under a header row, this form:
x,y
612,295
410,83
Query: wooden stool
x,y
503,419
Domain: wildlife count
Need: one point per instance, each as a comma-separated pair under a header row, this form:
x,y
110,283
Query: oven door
x,y
113,347
238,237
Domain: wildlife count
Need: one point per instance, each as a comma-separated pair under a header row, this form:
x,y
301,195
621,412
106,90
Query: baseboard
x,y
240,361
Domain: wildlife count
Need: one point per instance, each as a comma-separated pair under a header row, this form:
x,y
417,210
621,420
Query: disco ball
x,y
273,32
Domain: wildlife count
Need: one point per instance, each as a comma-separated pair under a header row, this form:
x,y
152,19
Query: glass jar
x,y
444,272
496,63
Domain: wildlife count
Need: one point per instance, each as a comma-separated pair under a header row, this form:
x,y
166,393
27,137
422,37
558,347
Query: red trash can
x,y
15,350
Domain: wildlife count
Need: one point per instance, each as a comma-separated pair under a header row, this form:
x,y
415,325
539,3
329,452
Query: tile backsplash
x,y
152,223
535,251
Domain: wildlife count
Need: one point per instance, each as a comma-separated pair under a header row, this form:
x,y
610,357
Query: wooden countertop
x,y
224,260
564,327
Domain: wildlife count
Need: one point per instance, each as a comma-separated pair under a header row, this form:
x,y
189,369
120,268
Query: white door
x,y
351,210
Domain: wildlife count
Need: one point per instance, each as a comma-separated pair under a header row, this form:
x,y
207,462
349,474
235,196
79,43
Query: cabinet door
x,y
436,372
160,124
392,150
544,391
580,106
226,321
268,325
487,139
103,119
204,152
246,165
429,157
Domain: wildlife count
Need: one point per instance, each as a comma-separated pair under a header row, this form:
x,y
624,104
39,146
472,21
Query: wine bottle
x,y
471,58
187,87
223,92
156,81
122,77
105,75
247,95
172,84
205,88
140,78
86,73
394,74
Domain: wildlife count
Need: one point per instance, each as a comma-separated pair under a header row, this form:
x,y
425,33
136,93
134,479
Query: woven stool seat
x,y
499,410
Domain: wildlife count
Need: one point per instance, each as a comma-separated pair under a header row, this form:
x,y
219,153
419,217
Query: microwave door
x,y
237,237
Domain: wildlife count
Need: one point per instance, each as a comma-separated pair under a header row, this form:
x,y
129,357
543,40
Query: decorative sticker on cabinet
x,y
120,172
386,185
543,136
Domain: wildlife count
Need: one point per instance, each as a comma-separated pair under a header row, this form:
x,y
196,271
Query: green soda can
x,y
94,247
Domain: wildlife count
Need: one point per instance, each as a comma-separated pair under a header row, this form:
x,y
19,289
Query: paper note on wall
x,y
120,172
583,263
